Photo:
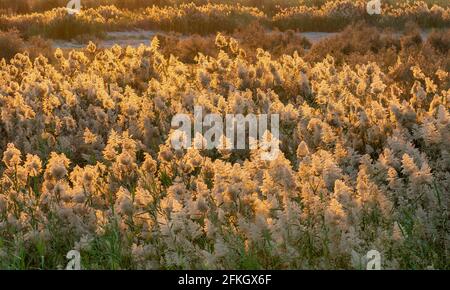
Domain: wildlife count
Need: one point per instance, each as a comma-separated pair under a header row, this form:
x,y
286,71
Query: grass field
x,y
87,161
212,18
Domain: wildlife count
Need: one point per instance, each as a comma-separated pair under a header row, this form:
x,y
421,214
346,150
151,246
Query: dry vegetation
x,y
364,161
212,18
270,7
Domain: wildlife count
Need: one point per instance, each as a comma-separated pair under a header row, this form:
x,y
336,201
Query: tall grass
x,y
270,7
212,18
87,162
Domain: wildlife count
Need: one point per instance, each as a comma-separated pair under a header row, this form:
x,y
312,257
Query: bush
x,y
249,37
440,40
36,46
10,44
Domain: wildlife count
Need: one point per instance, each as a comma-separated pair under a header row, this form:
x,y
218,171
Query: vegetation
x,y
212,18
87,164
269,7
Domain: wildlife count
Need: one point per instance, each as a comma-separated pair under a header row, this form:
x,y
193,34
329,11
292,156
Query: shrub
x,y
10,44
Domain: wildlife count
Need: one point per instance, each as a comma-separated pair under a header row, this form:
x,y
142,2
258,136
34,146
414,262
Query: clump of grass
x,y
10,44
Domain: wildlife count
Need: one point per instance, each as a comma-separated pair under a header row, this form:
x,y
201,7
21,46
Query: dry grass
x,y
212,18
87,162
